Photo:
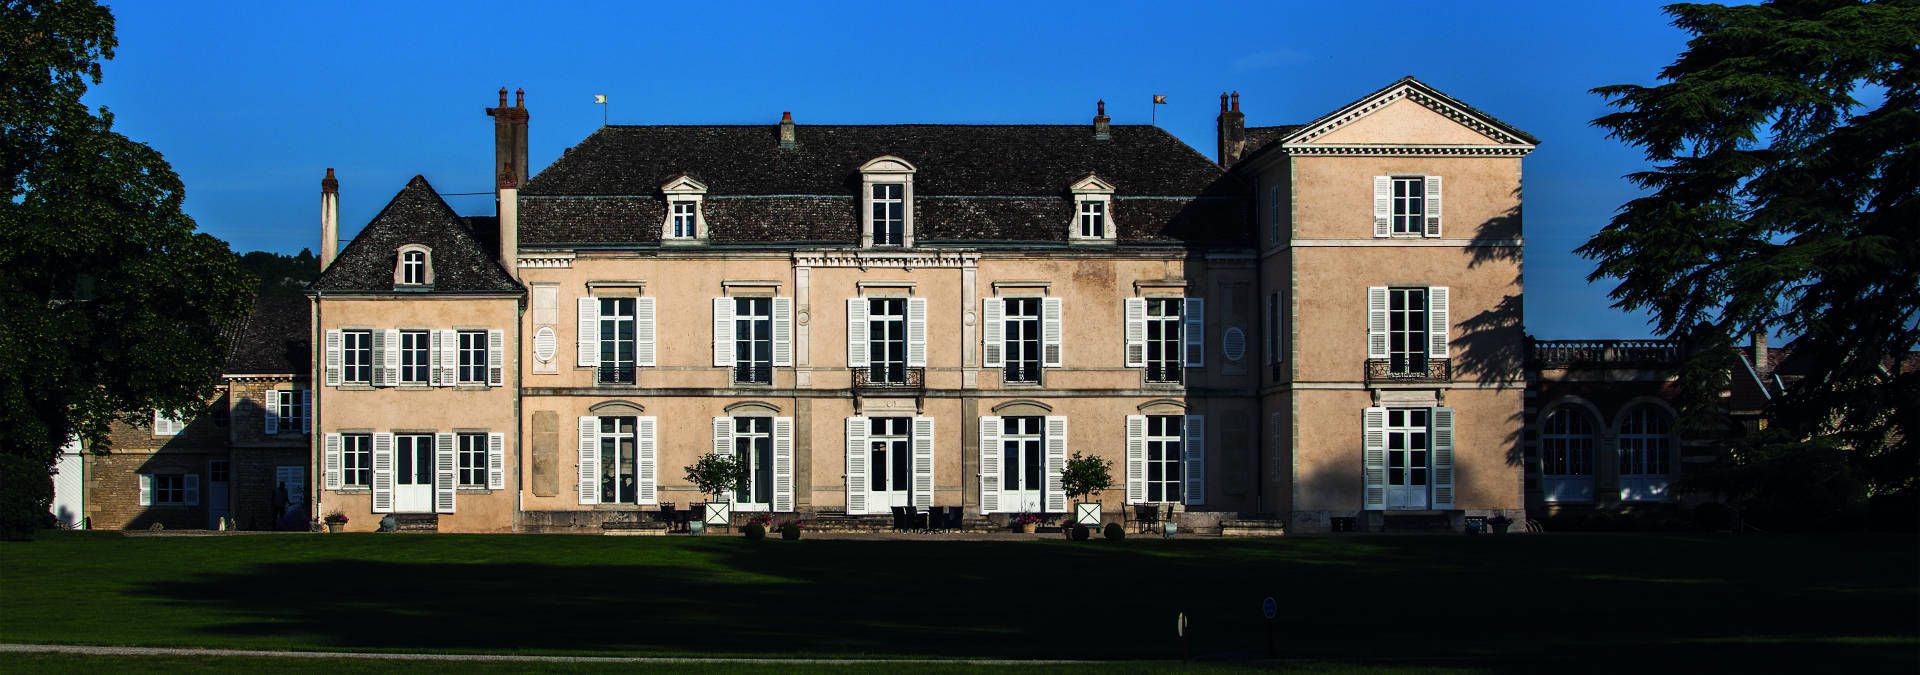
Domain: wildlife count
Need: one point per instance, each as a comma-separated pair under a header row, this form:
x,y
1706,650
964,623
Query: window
x,y
356,460
685,219
1093,219
753,446
1409,204
415,361
1166,447
1407,330
169,489
683,222
753,340
356,356
1022,321
1274,352
889,214
291,406
168,423
616,340
887,340
472,451
1566,444
473,357
619,460
1021,456
1273,215
1645,446
1164,340
1406,447
413,267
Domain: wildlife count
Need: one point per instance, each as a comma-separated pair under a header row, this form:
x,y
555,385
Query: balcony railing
x,y
755,374
890,378
1436,371
613,374
1021,373
1603,353
1164,373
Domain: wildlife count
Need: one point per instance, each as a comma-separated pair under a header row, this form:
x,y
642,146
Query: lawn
x,y
1594,602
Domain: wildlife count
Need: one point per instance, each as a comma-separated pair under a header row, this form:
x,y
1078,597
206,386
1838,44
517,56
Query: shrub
x,y
756,531
1114,532
336,518
1081,533
790,531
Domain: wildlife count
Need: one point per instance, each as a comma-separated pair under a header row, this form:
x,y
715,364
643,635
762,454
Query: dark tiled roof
x,y
417,215
973,183
274,338
1259,137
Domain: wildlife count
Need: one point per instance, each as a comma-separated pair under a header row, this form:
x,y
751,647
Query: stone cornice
x,y
887,259
1409,150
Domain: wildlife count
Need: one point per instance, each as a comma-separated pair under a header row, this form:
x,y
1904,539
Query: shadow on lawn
x,y
1412,601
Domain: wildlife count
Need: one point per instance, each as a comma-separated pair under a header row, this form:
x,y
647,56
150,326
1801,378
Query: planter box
x,y
1086,514
718,515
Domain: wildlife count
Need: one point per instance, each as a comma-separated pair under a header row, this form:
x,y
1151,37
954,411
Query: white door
x,y
1407,457
69,488
413,473
291,482
890,471
219,499
1022,462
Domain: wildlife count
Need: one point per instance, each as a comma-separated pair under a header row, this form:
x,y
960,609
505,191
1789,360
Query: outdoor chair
x,y
665,515
953,518
900,519
1146,517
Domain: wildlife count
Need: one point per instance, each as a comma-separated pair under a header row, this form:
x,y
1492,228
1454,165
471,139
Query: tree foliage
x,y
111,305
716,474
1085,476
281,274
1785,152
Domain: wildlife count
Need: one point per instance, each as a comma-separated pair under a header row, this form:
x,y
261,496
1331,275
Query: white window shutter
x,y
1195,471
1194,313
1136,332
723,332
647,461
589,460
916,332
989,464
782,332
1376,322
306,411
1442,459
1136,459
333,358
643,332
923,462
723,445
146,489
588,352
496,357
1373,458
190,483
1056,448
1433,206
1383,206
856,465
496,461
331,461
993,334
1051,332
783,464
436,346
856,333
383,472
1438,323
445,472
390,361
272,415
449,357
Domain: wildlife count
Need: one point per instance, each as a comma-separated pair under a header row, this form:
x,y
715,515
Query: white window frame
x,y
1413,334
472,357
356,358
416,356
1406,206
1409,212
744,340
1172,338
471,459
602,319
1091,192
1640,450
1173,457
1014,348
413,266
758,473
684,190
291,410
1567,437
168,423
886,170
877,342
356,463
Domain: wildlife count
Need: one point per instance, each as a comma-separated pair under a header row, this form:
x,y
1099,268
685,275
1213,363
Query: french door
x,y
1407,459
1022,459
890,472
413,473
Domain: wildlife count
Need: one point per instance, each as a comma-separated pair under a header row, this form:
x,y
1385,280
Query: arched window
x,y
1566,455
415,266
1646,453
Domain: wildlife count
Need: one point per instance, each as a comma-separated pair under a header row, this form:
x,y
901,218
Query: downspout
x,y
316,479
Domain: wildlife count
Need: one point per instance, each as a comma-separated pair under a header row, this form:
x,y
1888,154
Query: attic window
x,y
686,221
415,266
886,201
1093,211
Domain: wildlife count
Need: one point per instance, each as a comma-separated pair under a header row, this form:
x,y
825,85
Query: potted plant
x,y
790,531
335,521
716,475
757,526
1026,523
1084,477
1499,522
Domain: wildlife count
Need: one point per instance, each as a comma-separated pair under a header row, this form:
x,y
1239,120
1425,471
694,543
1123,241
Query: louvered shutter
x,y
993,334
1377,322
190,483
146,489
1442,459
1373,458
330,462
588,352
272,415
1383,206
437,349
782,332
390,364
496,357
783,464
1056,447
1433,206
1136,459
647,464
1194,313
1051,332
923,462
856,332
1438,323
723,445
1136,332
856,466
306,411
723,332
916,332
589,460
333,358
643,332
989,464
448,363
445,472
1195,471
377,375
383,472
496,461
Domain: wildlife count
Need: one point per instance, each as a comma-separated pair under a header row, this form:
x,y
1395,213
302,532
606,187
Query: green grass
x,y
1600,602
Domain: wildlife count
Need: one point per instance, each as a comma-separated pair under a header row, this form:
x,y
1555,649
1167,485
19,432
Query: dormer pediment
x,y
683,184
1409,113
887,164
1091,184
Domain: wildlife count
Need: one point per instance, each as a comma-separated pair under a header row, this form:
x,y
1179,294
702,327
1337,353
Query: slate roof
x,y
274,338
417,215
974,183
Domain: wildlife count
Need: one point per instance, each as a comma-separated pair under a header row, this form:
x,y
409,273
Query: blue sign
x,y
1269,608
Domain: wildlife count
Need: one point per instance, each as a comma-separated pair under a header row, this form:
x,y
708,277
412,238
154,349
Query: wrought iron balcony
x,y
1603,353
890,378
1435,371
1021,373
1165,373
613,374
754,374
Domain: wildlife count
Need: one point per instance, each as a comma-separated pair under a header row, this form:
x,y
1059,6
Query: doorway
x,y
890,481
1407,457
1021,459
219,500
413,473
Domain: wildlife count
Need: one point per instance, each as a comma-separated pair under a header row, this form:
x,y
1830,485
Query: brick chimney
x,y
788,140
1759,351
1232,130
510,172
329,219
1101,130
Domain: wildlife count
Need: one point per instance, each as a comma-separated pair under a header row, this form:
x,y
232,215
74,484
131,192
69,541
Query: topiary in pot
x,y
755,531
1081,533
1114,532
790,531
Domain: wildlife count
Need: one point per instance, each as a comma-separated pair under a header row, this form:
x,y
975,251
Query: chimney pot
x,y
1100,107
1223,101
1236,101
503,97
520,98
330,185
788,138
329,219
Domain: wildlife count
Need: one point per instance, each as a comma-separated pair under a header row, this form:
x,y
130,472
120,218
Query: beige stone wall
x,y
1333,196
248,398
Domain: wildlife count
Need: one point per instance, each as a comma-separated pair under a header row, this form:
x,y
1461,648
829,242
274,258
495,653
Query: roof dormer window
x,y
686,221
414,267
886,191
1093,211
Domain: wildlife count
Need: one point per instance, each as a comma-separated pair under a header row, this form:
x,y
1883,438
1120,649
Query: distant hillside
x,y
281,274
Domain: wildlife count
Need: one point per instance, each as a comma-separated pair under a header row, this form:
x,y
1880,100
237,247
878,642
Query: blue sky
x,y
251,102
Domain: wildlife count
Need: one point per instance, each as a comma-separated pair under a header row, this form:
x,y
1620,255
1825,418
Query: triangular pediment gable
x,y
1409,113
683,184
1091,184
